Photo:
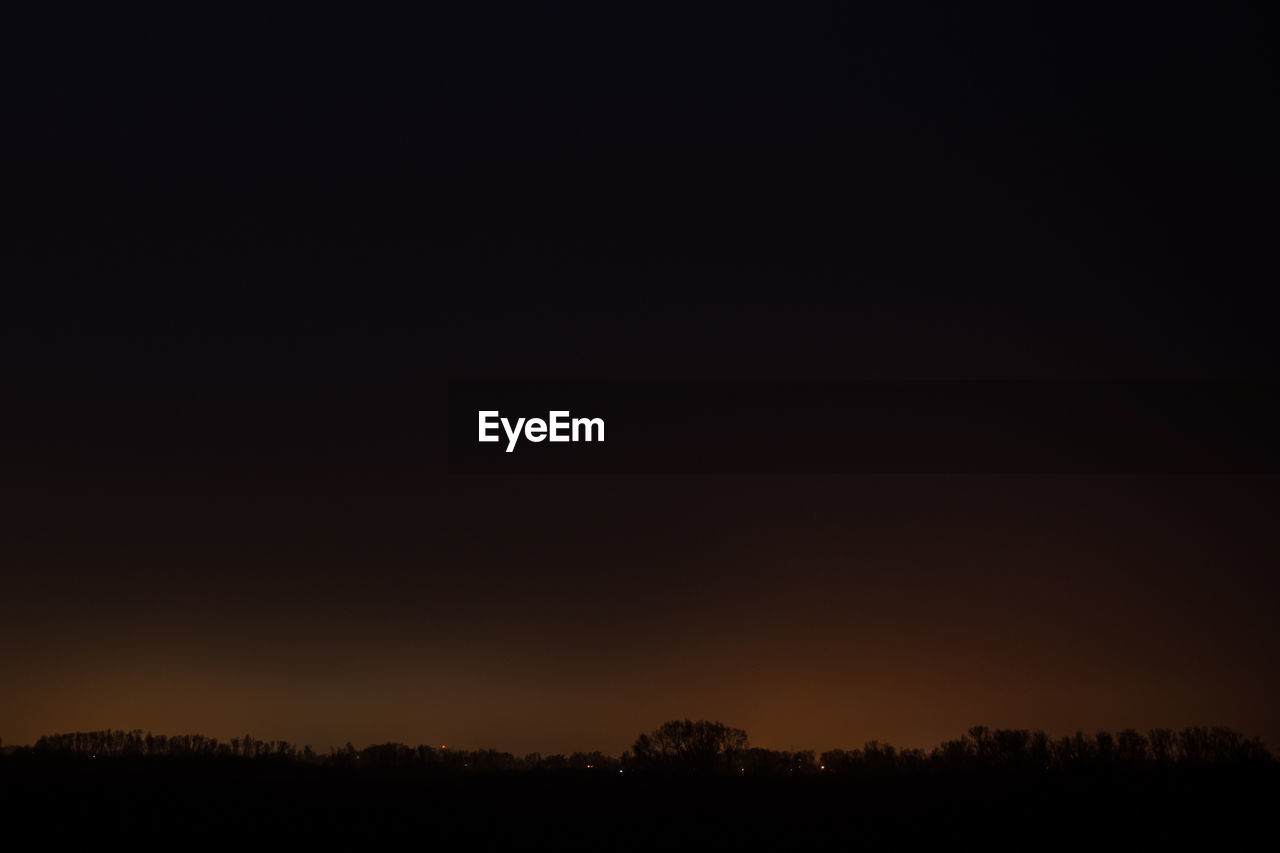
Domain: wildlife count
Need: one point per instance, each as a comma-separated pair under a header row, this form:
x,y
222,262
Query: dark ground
x,y
179,801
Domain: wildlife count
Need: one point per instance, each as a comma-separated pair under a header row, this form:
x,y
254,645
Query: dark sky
x,y
243,258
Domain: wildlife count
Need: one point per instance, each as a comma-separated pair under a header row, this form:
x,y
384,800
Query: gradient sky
x,y
243,282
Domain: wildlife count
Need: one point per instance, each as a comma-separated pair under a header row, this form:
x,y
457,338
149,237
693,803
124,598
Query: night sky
x,y
244,258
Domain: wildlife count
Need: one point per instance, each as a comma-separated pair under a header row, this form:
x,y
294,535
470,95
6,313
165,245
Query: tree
x,y
689,746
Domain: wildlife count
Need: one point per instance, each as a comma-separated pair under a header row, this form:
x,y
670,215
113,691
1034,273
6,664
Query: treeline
x,y
683,745
703,747
1022,749
110,744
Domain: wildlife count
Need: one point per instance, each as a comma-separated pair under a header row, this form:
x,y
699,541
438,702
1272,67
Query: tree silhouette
x,y
703,747
689,746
